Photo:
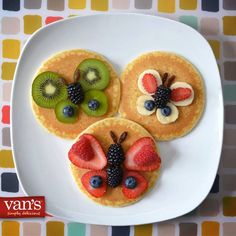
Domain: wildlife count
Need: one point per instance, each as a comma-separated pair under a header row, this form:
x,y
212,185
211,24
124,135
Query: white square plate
x,y
189,164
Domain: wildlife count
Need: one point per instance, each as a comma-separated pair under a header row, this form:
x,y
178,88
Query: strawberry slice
x,y
139,189
149,82
180,94
83,149
98,191
146,156
78,156
142,156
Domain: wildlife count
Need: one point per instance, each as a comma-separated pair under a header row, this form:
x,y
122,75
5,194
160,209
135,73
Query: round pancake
x,y
65,63
114,196
184,72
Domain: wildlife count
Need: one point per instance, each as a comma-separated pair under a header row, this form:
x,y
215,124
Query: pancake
x,y
184,72
65,63
100,130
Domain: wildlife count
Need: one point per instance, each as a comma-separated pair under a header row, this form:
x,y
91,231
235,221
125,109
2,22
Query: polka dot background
x,y
216,20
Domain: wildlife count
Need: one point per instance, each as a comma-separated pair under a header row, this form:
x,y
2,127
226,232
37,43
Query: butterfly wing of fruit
x,y
142,156
87,153
134,184
95,182
95,103
48,88
182,94
92,74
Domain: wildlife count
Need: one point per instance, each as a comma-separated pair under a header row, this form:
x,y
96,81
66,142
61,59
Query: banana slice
x,y
172,117
186,101
143,107
152,82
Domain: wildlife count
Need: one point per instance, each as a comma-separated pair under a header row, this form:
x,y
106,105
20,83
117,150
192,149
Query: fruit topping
x,y
146,156
75,93
148,81
182,94
145,105
100,98
95,182
115,154
138,185
162,96
83,149
162,114
48,89
66,112
142,156
163,92
87,153
149,105
166,111
114,176
93,104
130,182
92,74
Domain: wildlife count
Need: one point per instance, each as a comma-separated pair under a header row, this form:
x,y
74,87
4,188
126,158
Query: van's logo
x,y
20,207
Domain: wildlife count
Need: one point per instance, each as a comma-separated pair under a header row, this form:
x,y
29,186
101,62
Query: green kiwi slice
x,y
92,74
100,98
66,111
48,89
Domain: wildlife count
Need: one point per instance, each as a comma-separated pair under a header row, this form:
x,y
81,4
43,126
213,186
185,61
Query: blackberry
x,y
115,154
163,92
114,176
162,96
75,93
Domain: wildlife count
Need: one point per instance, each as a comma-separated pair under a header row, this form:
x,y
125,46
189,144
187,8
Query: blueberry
x,y
130,182
96,181
149,105
93,104
166,111
68,111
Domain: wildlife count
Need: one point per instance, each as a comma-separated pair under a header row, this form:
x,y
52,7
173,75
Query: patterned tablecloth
x,y
215,19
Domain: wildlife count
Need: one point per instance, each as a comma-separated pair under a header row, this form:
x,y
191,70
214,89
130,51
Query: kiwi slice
x,y
48,89
92,74
95,103
66,111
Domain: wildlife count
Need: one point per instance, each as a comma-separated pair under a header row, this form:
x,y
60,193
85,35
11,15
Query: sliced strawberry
x,y
146,156
99,191
180,94
83,149
140,188
98,160
149,82
142,156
